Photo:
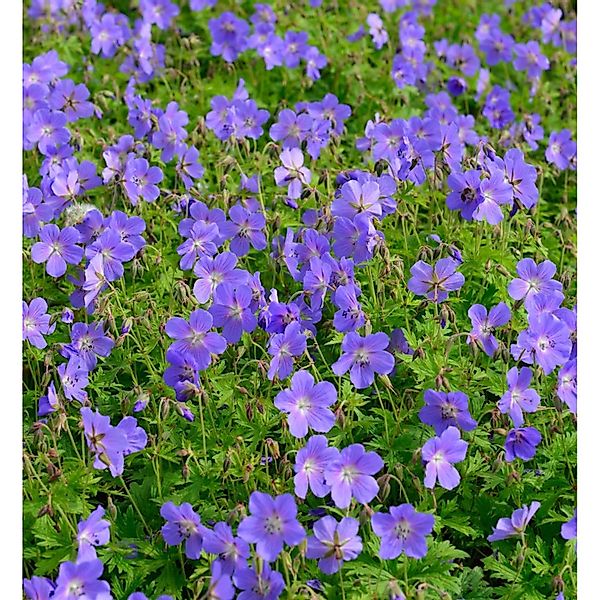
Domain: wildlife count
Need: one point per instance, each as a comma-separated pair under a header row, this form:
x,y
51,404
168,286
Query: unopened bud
x,y
111,508
273,447
513,476
503,270
384,487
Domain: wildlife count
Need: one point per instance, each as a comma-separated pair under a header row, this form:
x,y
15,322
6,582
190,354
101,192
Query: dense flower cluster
x,y
332,343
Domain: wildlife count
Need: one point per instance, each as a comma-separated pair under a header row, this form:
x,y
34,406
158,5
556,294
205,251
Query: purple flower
x,y
200,243
378,33
95,280
295,47
443,410
350,475
350,315
521,443
229,36
198,211
561,149
47,129
484,325
221,587
290,128
107,35
213,271
307,404
74,379
498,47
72,100
494,192
189,167
435,283
521,177
36,212
315,61
520,397
463,57
245,228
113,251
515,526
532,131
357,198
331,109
129,228
364,357
440,453
93,531
183,523
272,522
260,584
283,347
140,180
399,343
136,436
36,322
403,530
547,343
49,403
529,58
533,280
334,542
195,338
57,248
232,551
81,579
292,173
311,462
567,385
38,588
231,311
316,281
497,108
568,530
87,343
171,132
161,12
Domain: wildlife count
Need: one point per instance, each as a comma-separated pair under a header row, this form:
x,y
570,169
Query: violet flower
x,y
521,443
484,325
440,453
520,397
311,462
195,338
231,311
334,542
402,531
183,523
307,404
283,347
36,322
57,248
363,357
443,410
292,172
272,522
515,526
350,475
435,282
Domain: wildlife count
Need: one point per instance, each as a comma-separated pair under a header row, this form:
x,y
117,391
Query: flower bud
x,y
384,487
111,508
